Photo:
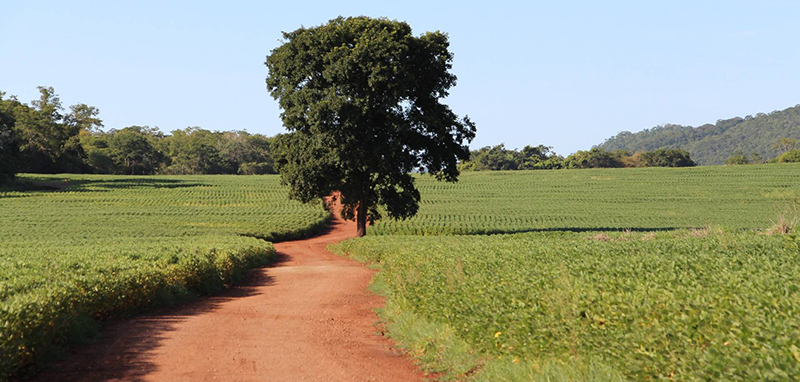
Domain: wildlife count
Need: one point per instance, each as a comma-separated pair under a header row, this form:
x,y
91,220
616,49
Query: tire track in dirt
x,y
307,318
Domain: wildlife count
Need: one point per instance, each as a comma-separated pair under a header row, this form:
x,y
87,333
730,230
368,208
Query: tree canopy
x,y
494,158
361,98
737,158
43,137
789,157
47,134
9,147
138,150
542,157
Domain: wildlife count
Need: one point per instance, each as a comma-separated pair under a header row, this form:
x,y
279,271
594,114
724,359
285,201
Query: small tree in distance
x,y
737,158
361,99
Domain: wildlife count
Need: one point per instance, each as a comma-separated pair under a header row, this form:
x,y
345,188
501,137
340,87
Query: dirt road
x,y
308,318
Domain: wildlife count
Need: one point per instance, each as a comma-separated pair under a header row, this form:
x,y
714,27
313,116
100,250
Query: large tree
x,y
9,147
49,138
133,152
361,98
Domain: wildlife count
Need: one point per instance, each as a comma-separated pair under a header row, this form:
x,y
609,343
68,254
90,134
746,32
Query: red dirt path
x,y
308,318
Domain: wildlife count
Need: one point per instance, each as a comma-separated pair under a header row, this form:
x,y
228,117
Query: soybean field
x,y
597,275
600,199
80,248
679,305
601,274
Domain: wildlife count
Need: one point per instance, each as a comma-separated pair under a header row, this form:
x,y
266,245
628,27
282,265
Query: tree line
x,y
542,157
493,158
44,137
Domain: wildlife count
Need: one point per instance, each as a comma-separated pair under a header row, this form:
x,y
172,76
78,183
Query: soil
x,y
307,318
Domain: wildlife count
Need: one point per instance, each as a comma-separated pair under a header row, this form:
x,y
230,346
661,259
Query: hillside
x,y
711,144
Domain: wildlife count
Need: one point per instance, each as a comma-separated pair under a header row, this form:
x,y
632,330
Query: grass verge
x,y
438,349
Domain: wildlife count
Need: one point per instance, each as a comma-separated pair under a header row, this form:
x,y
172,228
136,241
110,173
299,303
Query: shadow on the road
x,y
125,348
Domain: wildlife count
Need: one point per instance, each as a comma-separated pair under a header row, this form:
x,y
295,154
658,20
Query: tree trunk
x,y
361,219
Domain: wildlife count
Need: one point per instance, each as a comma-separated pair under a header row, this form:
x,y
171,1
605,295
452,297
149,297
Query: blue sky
x,y
560,73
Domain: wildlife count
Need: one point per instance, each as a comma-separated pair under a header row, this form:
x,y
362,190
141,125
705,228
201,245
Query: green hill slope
x,y
713,143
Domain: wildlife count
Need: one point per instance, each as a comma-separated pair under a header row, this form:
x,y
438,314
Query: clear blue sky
x,y
561,73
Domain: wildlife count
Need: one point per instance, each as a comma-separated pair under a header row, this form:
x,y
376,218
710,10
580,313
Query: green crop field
x,y
696,290
560,291
94,247
600,199
674,304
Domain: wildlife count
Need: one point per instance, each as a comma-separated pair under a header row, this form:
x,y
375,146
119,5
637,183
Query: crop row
x,y
600,199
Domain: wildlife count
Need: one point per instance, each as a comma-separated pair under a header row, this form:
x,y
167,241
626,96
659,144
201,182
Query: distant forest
x,y
713,144
495,158
44,137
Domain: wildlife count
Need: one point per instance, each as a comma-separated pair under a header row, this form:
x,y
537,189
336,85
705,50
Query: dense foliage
x,y
660,158
495,158
714,143
365,97
685,305
143,150
44,138
9,146
107,245
740,158
596,158
542,157
789,157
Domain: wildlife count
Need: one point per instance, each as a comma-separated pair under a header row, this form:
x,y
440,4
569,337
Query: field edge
x,y
437,349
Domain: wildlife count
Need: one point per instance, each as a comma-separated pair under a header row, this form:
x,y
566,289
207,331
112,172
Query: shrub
x,y
596,158
667,158
790,157
737,158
